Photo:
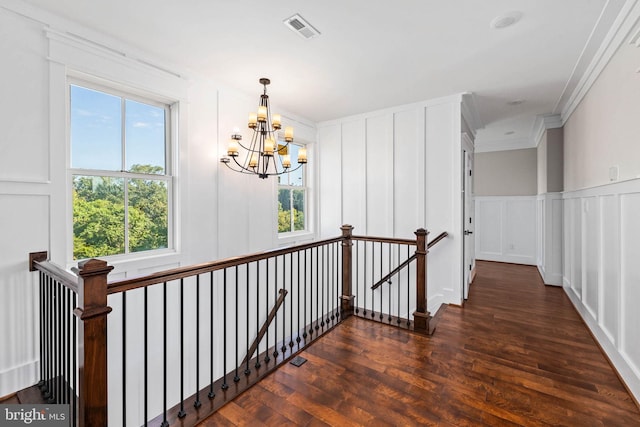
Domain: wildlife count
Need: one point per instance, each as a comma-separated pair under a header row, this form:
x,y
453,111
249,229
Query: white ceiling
x,y
372,54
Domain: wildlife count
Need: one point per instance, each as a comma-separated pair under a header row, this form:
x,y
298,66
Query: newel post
x,y
347,297
92,341
421,315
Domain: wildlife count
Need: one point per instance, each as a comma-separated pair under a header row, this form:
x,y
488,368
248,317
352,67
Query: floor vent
x,y
298,361
298,25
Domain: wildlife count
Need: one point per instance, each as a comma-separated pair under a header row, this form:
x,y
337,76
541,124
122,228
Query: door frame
x,y
468,217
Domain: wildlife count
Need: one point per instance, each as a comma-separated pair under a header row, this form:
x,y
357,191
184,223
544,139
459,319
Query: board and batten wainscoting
x,y
600,269
549,242
506,229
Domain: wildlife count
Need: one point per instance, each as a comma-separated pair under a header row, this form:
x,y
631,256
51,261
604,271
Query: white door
x,y
468,214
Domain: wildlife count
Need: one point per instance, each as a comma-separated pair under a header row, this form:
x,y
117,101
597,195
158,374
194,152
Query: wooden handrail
x,y
407,261
392,240
393,272
38,262
193,270
437,239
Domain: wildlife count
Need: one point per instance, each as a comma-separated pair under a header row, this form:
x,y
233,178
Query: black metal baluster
x,y
56,397
381,316
357,268
364,271
52,302
318,315
61,337
224,330
331,284
41,331
291,305
298,339
266,301
247,370
63,344
146,358
304,321
197,402
399,286
408,286
236,378
45,332
182,413
211,394
389,290
67,338
165,423
338,287
124,358
257,365
322,279
283,349
373,278
275,329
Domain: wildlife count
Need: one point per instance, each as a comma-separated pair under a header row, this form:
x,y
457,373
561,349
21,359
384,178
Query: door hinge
x,y
469,267
469,172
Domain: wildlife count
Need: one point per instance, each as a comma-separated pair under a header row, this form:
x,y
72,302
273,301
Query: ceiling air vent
x,y
301,27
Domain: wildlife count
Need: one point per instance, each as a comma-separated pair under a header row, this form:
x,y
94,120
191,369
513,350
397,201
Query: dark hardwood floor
x,y
516,354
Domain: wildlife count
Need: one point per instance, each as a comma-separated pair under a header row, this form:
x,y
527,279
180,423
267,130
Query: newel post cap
x,y
92,267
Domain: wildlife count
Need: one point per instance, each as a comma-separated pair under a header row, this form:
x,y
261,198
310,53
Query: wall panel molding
x,y
601,276
549,237
506,229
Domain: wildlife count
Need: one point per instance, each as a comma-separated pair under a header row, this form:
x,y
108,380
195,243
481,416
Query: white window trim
x,y
287,237
171,125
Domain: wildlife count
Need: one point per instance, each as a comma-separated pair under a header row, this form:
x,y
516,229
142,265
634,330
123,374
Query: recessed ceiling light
x,y
516,102
509,132
505,20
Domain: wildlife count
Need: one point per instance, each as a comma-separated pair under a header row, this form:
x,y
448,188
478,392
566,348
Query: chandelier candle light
x,y
264,156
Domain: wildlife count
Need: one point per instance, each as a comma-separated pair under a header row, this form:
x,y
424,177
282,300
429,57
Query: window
x,y
292,196
121,184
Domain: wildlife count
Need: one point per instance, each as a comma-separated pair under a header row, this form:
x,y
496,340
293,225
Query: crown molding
x,y
542,123
504,145
622,26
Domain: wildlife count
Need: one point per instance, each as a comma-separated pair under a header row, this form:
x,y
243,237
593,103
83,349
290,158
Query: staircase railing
x,y
183,342
406,262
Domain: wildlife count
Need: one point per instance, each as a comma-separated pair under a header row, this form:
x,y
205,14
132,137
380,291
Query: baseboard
x,y
510,259
434,303
18,377
550,279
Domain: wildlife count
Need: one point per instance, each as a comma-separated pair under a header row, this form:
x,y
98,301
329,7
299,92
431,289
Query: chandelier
x,y
264,156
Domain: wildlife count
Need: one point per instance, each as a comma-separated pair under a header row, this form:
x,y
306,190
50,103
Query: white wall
x,y
601,252
218,213
393,171
603,130
506,229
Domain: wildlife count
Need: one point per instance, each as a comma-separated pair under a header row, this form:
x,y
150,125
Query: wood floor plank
x,y
517,353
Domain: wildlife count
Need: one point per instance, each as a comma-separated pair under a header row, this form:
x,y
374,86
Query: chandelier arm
x,y
228,164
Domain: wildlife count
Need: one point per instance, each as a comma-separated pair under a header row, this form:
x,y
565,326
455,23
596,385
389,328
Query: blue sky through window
x,y
96,131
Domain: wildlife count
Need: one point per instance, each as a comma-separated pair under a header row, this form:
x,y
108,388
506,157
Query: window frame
x,y
168,177
305,188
